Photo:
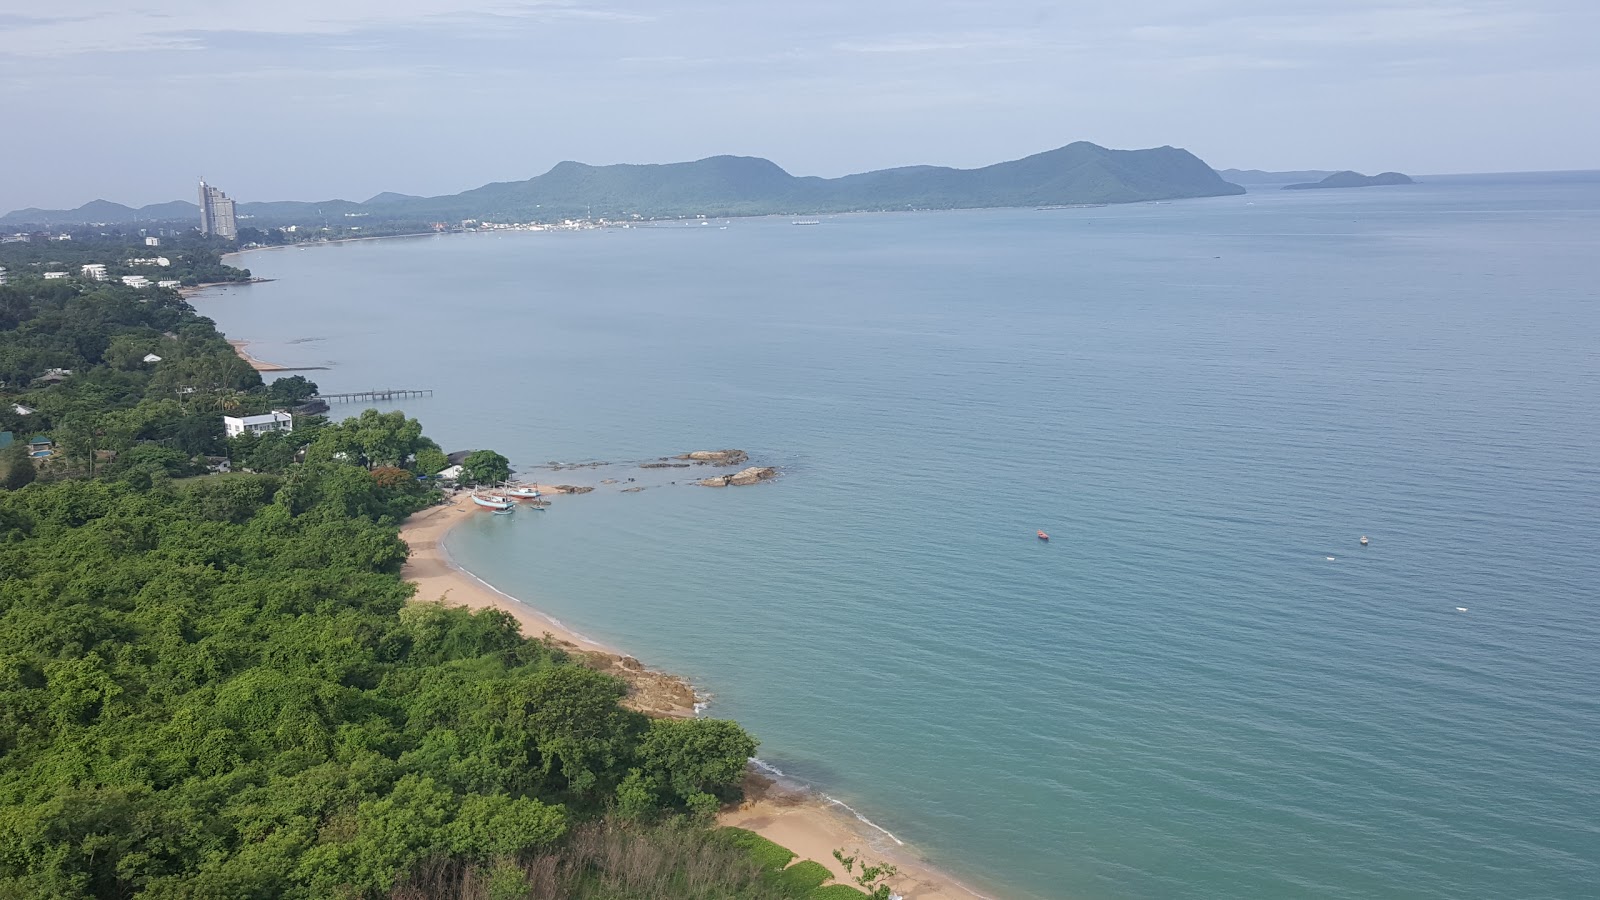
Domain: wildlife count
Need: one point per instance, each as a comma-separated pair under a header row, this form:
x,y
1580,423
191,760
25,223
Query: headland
x,y
808,823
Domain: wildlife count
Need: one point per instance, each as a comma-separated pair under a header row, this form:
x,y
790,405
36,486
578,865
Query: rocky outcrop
x,y
743,476
716,457
571,489
664,465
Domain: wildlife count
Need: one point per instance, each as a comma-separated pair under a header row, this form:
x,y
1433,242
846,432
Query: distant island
x,y
1351,180
1248,177
1079,173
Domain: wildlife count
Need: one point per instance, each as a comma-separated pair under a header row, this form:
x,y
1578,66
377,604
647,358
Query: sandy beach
x,y
811,827
261,365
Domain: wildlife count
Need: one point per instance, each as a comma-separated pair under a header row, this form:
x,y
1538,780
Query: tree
x,y
873,879
291,390
693,757
485,467
431,461
19,466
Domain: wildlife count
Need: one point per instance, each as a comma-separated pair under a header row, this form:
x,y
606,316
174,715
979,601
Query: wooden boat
x,y
1043,536
491,501
523,492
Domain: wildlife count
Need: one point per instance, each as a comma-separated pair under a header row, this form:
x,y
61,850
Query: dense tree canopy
x,y
485,467
206,692
213,685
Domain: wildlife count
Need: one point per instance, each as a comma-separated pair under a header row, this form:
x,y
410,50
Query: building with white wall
x,y
277,420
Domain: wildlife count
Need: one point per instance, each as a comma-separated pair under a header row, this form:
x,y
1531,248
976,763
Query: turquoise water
x,y
1181,695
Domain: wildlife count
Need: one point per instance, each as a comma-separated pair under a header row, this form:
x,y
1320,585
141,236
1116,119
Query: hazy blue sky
x,y
310,99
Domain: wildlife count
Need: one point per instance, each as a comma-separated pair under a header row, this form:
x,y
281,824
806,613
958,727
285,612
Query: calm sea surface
x,y
1202,686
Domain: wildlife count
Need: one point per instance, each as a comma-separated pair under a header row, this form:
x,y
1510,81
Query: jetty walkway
x,y
359,396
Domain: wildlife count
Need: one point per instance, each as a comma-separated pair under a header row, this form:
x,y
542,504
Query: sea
x,y
1202,686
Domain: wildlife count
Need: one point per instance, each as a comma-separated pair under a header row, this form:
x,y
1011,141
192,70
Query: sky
x,y
134,100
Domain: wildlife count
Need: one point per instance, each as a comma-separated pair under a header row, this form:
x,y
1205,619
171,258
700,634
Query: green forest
x,y
217,685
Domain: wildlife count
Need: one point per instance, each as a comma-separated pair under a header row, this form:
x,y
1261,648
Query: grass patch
x,y
766,854
804,877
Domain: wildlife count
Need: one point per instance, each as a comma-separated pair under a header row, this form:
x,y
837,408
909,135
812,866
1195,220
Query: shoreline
x,y
261,365
805,822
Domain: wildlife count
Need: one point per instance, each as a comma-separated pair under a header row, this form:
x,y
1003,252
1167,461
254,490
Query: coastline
x,y
261,365
812,826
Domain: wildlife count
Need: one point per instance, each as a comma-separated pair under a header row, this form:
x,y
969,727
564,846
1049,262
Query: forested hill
x,y
742,186
216,685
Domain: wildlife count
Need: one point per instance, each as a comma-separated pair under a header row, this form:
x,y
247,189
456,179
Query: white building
x,y
170,283
21,410
151,358
2,274
95,271
136,281
52,276
152,242
150,261
277,420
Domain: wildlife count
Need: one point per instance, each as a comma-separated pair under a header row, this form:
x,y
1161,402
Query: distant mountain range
x,y
1351,180
731,186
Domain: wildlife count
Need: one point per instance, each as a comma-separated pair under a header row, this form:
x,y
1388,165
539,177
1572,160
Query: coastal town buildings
x,y
152,242
2,274
150,261
52,276
169,283
136,281
277,420
216,213
97,271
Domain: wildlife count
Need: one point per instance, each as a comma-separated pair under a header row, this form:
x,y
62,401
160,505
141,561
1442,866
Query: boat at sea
x,y
1043,536
1071,206
806,222
492,501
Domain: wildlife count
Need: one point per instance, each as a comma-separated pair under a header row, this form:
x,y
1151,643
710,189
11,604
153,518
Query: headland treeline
x,y
217,684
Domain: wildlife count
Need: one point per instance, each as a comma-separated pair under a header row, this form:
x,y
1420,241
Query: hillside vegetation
x,y
217,687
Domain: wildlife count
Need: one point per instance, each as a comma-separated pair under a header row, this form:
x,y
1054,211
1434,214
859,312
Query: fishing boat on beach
x,y
524,492
492,501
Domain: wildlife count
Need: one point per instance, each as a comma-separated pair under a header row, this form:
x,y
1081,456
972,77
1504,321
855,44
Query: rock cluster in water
x,y
744,476
716,457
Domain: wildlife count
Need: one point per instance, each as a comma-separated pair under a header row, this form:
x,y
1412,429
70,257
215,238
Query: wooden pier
x,y
359,396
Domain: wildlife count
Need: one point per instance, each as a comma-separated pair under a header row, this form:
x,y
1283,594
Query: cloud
x,y
936,43
1378,25
105,26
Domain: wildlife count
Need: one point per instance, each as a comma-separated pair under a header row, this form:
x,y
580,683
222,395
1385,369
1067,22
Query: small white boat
x,y
491,501
1363,540
524,492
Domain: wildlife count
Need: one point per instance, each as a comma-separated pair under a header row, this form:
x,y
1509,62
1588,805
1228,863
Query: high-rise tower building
x,y
216,213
